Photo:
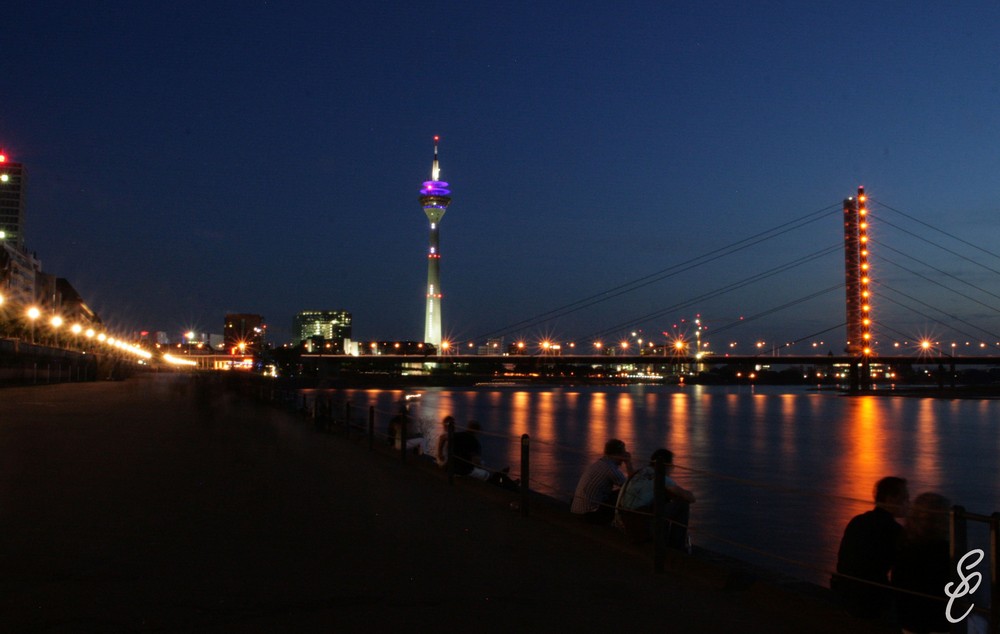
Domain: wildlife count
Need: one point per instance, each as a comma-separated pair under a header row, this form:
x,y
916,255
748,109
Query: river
x,y
777,471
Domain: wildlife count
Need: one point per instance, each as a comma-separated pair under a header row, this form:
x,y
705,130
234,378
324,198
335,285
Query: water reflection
x,y
775,469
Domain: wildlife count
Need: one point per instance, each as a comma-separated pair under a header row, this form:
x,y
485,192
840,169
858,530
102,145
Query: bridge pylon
x,y
858,275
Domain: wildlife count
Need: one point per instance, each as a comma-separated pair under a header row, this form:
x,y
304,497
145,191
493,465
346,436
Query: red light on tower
x,y
3,158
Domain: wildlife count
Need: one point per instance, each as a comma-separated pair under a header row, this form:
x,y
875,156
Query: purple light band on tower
x,y
434,188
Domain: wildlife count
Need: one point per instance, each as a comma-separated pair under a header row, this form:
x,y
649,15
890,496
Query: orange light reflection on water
x,y
864,461
544,417
789,426
597,434
622,425
678,436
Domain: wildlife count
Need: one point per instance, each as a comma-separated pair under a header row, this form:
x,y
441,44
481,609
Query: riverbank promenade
x,y
144,505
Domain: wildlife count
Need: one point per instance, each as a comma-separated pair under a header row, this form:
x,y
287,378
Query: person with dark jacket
x,y
868,551
923,566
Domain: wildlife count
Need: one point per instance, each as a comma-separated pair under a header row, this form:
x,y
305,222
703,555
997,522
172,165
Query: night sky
x,y
190,159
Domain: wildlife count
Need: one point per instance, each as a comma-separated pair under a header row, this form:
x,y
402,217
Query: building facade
x,y
12,187
332,326
18,269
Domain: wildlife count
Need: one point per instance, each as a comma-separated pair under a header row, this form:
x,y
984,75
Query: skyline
x,y
187,161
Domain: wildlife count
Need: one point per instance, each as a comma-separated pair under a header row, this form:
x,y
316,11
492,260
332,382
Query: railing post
x,y
994,573
959,546
403,420
371,427
449,462
659,510
525,473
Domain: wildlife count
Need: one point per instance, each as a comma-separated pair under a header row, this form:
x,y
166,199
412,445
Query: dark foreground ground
x,y
123,507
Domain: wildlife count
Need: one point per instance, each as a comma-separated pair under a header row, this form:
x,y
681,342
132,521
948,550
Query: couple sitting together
x,y
605,495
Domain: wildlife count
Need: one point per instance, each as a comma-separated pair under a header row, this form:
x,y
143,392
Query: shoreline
x,y
222,513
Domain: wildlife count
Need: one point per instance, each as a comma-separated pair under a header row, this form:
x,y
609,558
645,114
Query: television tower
x,y
434,198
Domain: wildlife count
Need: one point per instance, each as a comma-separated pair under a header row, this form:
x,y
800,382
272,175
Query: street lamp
x,y
56,322
33,314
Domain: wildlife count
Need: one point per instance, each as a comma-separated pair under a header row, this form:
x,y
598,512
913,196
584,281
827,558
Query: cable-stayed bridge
x,y
896,291
926,285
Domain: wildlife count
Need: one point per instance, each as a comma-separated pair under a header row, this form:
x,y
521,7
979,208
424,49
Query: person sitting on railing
x,y
636,503
597,491
924,565
868,550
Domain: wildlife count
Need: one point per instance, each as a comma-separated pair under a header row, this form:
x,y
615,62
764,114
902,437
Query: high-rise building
x,y
435,198
18,270
331,325
12,182
244,333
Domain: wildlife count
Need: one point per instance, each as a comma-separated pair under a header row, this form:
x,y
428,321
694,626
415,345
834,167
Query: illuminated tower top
x,y
434,194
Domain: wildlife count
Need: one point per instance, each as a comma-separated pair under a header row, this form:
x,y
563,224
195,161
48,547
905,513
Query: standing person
x,y
924,565
868,550
441,452
597,491
636,501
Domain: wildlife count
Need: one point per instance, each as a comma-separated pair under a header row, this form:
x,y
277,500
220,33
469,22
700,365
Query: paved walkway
x,y
123,507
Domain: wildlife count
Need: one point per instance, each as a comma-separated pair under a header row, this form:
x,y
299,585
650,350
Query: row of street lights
x,y
681,346
56,322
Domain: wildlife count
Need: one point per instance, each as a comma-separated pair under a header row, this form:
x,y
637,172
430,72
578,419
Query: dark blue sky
x,y
187,160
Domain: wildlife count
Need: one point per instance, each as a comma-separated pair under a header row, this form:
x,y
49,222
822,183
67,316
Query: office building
x,y
332,326
12,187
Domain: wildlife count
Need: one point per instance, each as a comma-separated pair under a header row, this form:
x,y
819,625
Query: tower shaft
x,y
432,316
435,198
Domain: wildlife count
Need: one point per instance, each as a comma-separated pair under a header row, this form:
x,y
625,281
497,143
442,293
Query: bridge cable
x,y
945,249
952,236
665,273
945,273
944,286
722,290
883,327
813,335
946,314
